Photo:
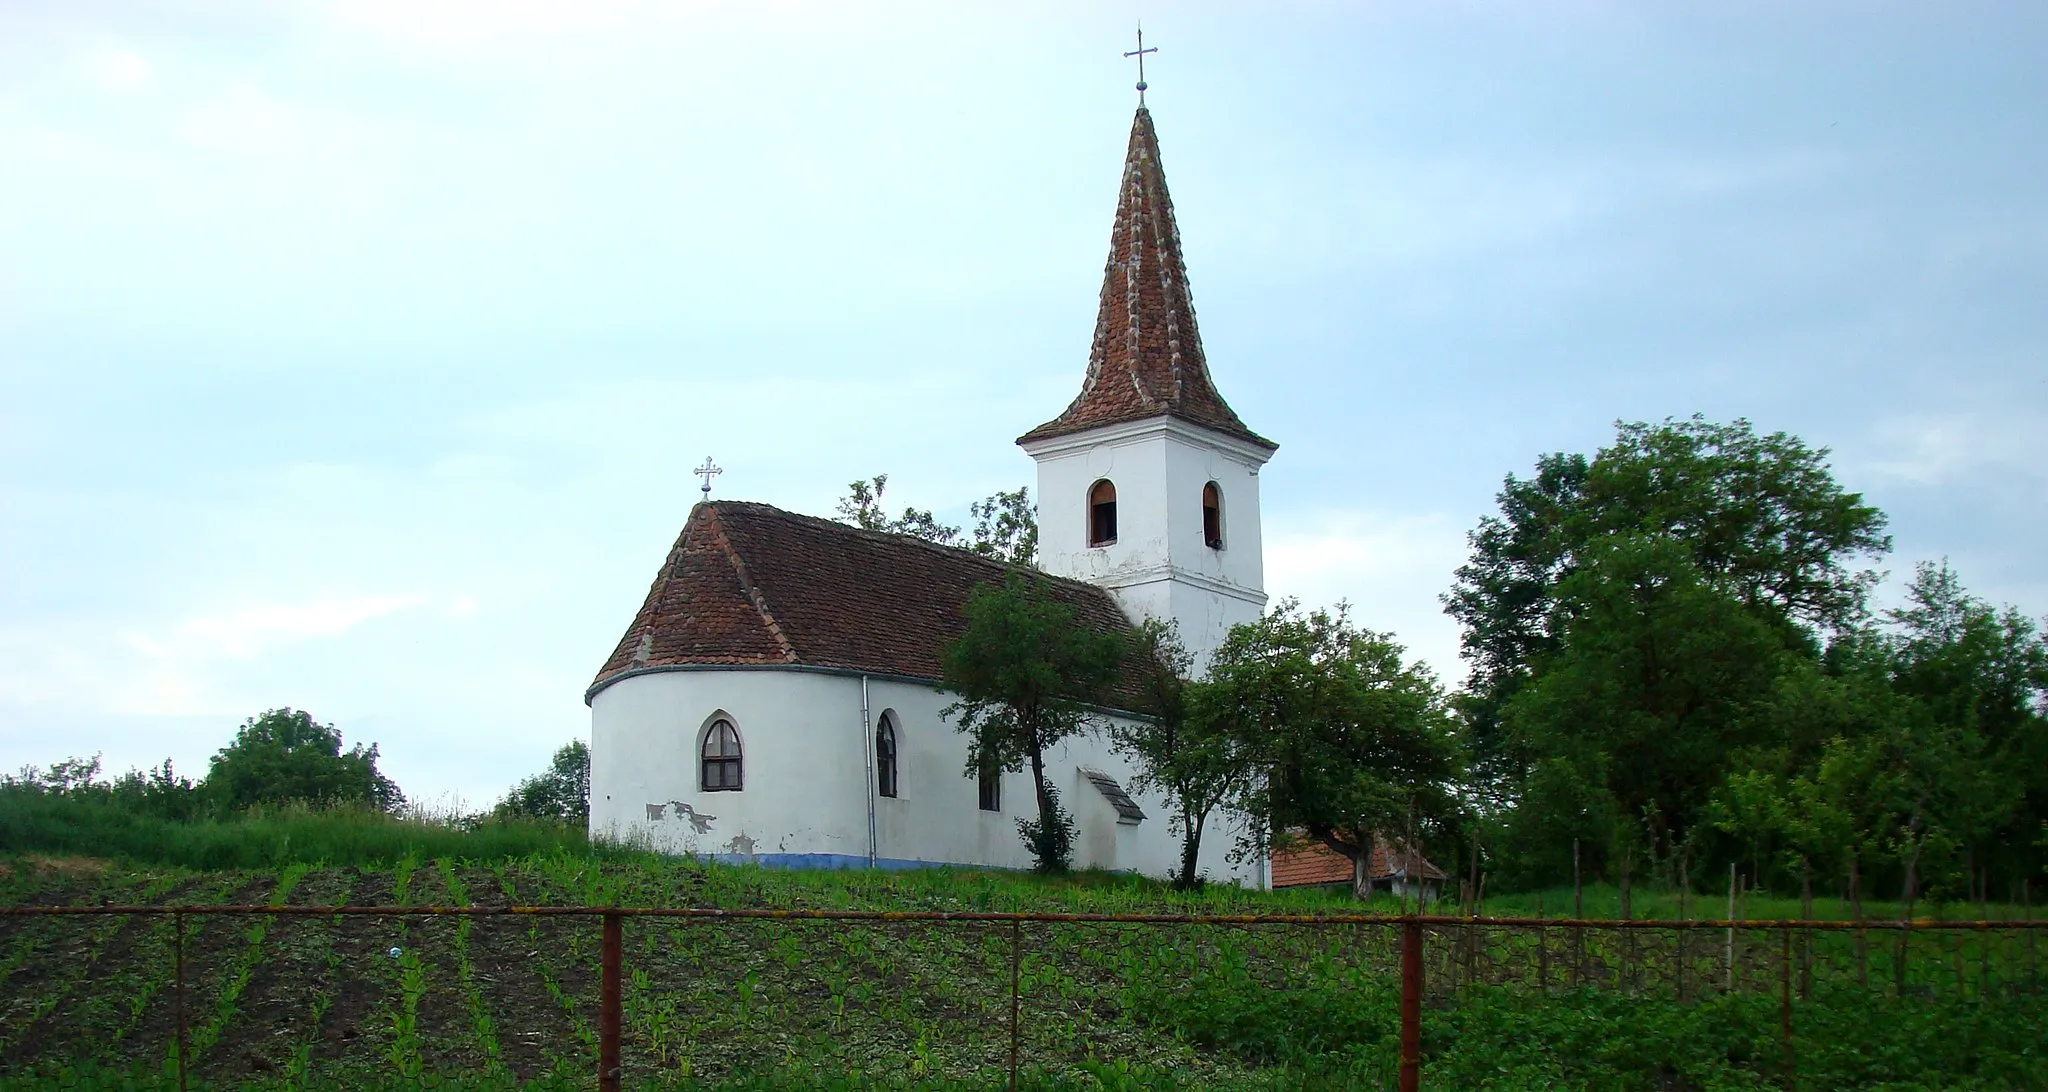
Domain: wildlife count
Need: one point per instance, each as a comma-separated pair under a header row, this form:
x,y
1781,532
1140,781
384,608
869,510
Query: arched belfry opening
x,y
1212,516
1102,513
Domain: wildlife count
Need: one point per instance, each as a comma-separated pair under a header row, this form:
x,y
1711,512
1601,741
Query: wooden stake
x,y
1731,929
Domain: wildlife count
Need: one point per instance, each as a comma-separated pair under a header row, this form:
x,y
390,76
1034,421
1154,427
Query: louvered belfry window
x,y
721,757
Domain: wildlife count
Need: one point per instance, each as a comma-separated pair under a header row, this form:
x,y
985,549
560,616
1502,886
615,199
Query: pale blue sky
x,y
355,354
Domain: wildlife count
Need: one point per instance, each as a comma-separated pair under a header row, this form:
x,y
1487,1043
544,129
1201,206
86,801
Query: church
x,y
776,698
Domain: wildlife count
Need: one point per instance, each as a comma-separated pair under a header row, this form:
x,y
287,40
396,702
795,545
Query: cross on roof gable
x,y
1147,358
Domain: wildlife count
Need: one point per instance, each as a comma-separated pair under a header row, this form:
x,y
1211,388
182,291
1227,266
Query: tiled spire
x,y
1147,358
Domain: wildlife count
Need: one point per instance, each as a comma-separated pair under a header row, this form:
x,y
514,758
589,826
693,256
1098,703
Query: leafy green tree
x,y
1188,749
1006,527
286,756
561,792
66,775
1653,690
1345,743
1760,516
1005,523
1915,748
1979,679
1026,674
862,507
1821,792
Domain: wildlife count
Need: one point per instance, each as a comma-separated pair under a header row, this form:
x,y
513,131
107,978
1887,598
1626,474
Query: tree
x,y
1026,673
1641,710
1978,678
1915,748
1760,517
1346,744
1006,527
1188,748
561,792
862,507
286,756
1005,523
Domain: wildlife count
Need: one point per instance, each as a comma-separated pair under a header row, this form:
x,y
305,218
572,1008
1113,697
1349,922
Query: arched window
x,y
721,757
1101,513
885,757
1212,516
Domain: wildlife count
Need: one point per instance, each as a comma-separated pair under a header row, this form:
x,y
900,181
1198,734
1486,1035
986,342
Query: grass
x,y
63,825
494,1002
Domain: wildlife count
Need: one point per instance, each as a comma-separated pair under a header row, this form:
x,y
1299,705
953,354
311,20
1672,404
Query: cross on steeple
x,y
707,472
1140,54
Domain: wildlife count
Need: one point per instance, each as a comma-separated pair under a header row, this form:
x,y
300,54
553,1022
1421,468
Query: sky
x,y
355,355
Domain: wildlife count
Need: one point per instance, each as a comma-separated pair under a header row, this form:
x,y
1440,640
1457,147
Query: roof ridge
x,y
914,540
754,594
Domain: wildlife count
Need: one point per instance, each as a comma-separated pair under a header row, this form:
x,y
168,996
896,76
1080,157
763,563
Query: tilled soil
x,y
498,998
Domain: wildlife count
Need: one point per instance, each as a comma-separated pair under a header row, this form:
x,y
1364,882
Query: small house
x,y
1302,862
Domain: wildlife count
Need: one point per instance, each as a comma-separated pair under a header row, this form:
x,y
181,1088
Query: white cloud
x,y
172,670
249,631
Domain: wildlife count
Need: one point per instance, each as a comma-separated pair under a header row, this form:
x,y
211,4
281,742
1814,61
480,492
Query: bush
x,y
1051,843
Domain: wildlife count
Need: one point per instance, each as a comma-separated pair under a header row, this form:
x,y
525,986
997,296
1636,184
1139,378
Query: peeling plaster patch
x,y
657,811
741,846
699,822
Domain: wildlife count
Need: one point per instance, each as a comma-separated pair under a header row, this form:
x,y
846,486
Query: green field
x,y
491,1002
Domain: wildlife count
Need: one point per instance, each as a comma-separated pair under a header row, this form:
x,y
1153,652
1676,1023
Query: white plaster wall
x,y
807,783
804,762
1159,566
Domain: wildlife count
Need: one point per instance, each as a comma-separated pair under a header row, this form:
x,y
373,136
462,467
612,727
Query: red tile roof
x,y
753,584
1310,863
1147,358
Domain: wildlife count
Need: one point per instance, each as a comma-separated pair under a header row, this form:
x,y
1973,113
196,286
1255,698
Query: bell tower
x,y
1148,484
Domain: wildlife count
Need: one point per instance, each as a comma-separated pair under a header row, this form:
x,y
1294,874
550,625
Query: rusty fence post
x,y
178,990
1016,973
1785,1001
608,1004
1411,1006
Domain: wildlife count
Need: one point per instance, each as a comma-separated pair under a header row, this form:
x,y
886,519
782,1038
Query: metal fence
x,y
1013,974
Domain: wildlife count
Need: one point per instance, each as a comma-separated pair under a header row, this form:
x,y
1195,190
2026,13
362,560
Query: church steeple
x,y
1148,484
1147,358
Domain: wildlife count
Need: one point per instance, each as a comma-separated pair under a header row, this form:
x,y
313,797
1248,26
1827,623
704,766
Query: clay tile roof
x,y
1307,863
1147,358
750,584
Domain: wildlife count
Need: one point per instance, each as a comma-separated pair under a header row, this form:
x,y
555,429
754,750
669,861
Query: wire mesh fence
x,y
203,995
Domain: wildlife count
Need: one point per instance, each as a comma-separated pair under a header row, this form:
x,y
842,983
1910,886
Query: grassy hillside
x,y
491,1002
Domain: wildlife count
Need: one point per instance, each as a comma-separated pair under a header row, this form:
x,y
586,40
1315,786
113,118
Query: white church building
x,y
776,697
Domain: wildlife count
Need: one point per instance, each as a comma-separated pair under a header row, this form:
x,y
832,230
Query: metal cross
x,y
707,472
1140,54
